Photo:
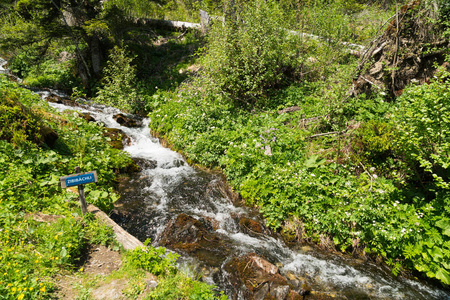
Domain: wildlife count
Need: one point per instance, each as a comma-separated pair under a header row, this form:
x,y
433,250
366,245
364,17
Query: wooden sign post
x,y
79,179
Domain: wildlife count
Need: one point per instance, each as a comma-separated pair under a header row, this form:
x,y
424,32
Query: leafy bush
x,y
153,260
423,121
18,124
118,82
42,232
182,287
251,53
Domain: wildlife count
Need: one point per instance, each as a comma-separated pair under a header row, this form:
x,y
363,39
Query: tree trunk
x,y
96,55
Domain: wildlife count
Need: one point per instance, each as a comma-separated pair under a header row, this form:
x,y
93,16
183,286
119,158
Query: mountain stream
x,y
166,188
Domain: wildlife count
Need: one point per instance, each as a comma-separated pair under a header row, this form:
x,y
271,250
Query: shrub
x,y
251,53
423,120
153,260
118,82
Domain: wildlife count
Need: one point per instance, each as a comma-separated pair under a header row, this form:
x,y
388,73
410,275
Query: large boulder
x,y
195,237
259,279
127,121
118,138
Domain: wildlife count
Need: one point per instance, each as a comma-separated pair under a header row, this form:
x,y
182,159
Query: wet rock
x,y
260,278
251,227
54,99
62,100
262,292
118,138
295,296
146,164
280,292
127,121
87,117
195,237
178,163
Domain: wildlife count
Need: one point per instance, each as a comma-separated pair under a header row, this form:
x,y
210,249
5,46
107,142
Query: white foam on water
x,y
341,277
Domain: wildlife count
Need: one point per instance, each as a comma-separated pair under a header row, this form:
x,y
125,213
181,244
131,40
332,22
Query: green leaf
x,y
444,224
443,276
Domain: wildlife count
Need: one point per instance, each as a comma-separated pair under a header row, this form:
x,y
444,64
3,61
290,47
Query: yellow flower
x,y
25,278
21,296
9,284
43,289
56,237
31,288
13,289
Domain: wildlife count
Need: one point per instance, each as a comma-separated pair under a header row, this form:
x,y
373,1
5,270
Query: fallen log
x,y
128,241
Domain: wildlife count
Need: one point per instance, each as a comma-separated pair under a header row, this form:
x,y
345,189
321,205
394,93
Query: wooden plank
x,y
128,241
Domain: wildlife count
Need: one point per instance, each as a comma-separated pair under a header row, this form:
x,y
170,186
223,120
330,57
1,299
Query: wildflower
x,y
21,296
31,288
43,289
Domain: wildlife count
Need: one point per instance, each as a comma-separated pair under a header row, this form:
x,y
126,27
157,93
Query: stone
x,y
256,274
127,121
197,238
87,117
118,138
251,227
280,292
262,292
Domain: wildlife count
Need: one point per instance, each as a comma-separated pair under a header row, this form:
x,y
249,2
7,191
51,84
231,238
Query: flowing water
x,y
168,186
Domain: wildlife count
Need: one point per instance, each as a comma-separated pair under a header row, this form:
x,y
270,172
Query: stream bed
x,y
194,213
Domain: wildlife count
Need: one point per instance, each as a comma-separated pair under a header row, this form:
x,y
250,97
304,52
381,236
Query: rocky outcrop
x,y
127,121
88,117
195,237
62,100
118,138
261,279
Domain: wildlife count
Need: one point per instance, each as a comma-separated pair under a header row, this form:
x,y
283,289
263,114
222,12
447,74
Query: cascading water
x,y
167,186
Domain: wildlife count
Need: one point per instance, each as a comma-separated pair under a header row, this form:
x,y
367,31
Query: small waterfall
x,y
168,186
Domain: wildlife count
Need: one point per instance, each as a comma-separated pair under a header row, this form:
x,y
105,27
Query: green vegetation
x,y
376,185
271,109
43,232
172,284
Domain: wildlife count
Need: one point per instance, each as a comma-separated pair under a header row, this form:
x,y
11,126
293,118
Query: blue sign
x,y
77,179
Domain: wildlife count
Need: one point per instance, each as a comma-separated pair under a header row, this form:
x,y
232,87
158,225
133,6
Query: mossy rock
x,y
117,136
